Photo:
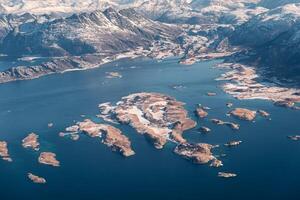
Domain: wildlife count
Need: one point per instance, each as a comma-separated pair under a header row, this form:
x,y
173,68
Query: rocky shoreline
x,y
49,158
158,117
36,179
85,62
163,119
31,141
241,82
4,154
111,136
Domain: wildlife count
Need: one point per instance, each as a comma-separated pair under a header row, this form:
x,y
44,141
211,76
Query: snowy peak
x,y
93,32
268,26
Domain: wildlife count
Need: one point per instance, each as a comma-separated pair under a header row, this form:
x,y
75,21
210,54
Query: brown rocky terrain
x,y
244,114
241,82
49,158
159,117
36,179
201,113
111,136
198,153
233,143
226,175
31,141
4,151
263,113
232,125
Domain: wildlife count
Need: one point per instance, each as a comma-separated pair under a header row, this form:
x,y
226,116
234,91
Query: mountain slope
x,y
174,11
95,32
274,39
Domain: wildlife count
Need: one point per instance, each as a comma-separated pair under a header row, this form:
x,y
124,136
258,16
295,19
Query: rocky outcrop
x,y
216,163
113,75
229,104
286,103
242,83
201,113
226,175
49,158
233,143
263,113
244,114
211,94
111,136
36,179
232,125
4,151
204,129
294,137
31,141
198,153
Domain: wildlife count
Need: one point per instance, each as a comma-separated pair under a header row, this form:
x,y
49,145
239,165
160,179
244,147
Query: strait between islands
x,y
160,118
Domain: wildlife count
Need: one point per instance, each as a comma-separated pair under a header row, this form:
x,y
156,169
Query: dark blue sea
x,y
267,163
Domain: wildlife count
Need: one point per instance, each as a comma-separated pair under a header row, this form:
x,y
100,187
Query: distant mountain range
x,y
266,32
274,39
95,32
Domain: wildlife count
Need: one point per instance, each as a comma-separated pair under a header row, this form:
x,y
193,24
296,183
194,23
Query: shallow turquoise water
x,y
267,163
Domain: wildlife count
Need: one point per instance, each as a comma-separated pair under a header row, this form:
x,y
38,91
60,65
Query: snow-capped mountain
x,y
270,30
49,6
174,11
274,39
268,26
95,32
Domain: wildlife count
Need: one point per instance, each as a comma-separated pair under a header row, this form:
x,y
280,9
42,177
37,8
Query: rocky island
x,y
31,141
243,84
36,179
4,151
244,114
49,158
201,113
263,113
211,94
232,125
111,136
198,153
204,129
294,137
226,175
113,75
233,143
159,117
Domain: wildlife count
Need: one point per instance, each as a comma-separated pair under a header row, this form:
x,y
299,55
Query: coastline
x,y
239,80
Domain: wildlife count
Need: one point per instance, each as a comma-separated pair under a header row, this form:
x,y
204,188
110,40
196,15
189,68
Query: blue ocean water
x,y
7,63
267,163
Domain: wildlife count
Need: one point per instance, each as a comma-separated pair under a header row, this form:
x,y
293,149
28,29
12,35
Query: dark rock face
x,y
273,40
